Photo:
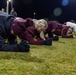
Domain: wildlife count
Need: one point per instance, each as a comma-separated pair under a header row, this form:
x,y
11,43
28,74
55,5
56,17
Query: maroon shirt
x,y
19,25
25,29
58,30
32,36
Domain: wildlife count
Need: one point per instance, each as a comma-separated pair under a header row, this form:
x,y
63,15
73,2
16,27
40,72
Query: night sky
x,y
60,10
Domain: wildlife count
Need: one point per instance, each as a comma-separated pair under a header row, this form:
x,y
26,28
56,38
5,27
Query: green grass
x,y
58,59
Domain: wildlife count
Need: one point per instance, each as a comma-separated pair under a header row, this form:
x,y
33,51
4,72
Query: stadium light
x,y
11,4
7,7
34,14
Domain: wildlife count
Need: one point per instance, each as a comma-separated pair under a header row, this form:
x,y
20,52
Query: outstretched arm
x,y
23,46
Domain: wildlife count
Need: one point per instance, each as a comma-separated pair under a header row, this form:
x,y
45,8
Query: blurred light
x,y
34,13
65,2
9,0
57,11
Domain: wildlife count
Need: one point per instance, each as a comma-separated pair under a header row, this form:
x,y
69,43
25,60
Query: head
x,y
40,25
70,30
12,9
3,9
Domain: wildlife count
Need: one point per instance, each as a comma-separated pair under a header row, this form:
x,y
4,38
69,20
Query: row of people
x,y
65,30
30,31
11,27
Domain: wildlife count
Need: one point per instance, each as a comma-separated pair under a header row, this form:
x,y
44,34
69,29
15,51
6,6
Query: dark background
x,y
44,9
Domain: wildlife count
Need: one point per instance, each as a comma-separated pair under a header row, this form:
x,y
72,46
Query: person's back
x,y
53,28
72,25
5,22
6,33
